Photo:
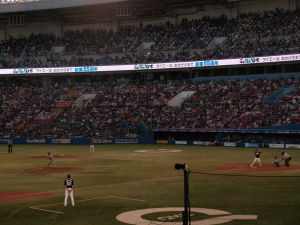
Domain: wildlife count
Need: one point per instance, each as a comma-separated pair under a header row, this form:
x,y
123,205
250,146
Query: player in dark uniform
x,y
9,145
256,158
69,183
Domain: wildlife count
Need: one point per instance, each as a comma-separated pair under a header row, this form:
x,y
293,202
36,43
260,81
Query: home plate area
x,y
246,167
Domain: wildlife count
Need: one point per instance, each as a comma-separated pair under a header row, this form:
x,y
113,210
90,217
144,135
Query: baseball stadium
x,y
149,112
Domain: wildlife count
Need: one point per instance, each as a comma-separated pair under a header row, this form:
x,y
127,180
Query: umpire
x,y
10,146
287,158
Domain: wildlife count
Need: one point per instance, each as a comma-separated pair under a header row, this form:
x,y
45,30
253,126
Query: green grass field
x,y
116,179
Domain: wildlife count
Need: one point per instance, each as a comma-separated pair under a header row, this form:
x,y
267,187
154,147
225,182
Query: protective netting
x,y
245,199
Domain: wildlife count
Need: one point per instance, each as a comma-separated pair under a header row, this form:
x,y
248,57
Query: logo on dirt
x,y
216,216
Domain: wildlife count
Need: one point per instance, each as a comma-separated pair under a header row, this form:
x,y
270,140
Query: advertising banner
x,y
154,66
276,145
229,144
76,141
292,146
204,143
251,145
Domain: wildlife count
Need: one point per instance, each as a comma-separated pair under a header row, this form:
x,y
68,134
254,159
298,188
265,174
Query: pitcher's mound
x,y
246,167
52,170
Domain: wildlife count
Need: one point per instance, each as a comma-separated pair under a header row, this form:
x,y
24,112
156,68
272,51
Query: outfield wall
x,y
149,140
230,144
79,141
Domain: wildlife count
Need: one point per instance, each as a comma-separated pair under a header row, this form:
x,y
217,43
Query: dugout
x,y
264,137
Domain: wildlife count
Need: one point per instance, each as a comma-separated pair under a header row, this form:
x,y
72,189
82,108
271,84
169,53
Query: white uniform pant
x,y
256,160
51,162
69,192
92,148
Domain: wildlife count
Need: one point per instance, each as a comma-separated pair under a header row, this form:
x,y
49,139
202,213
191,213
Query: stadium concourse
x,y
31,108
248,35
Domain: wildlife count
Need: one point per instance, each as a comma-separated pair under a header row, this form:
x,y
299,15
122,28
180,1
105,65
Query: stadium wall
x,y
33,28
229,138
265,5
79,141
233,144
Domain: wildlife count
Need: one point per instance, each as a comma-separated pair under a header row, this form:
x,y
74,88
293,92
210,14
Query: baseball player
x,y
287,158
92,146
256,158
276,161
51,160
69,183
9,145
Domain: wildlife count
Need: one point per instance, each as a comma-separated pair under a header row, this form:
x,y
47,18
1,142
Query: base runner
x,y
69,183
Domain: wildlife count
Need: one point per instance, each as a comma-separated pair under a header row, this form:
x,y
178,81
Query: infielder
x,y
51,160
256,158
92,146
69,183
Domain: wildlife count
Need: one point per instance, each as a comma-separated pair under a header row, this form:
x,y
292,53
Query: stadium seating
x,y
251,34
30,108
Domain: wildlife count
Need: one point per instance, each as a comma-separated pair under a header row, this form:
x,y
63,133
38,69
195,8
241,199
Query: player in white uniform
x,y
256,158
69,183
51,160
92,146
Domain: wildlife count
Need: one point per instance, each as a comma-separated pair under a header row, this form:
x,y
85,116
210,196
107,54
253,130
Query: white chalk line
x,y
82,200
46,210
13,213
132,199
92,187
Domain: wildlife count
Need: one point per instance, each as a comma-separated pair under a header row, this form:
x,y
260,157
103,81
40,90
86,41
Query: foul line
x,y
132,199
46,210
103,185
82,200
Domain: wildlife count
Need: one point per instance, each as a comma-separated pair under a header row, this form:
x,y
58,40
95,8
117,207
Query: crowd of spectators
x,y
248,35
33,107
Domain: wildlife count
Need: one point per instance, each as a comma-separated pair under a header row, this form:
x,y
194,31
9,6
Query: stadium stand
x,y
189,40
31,108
